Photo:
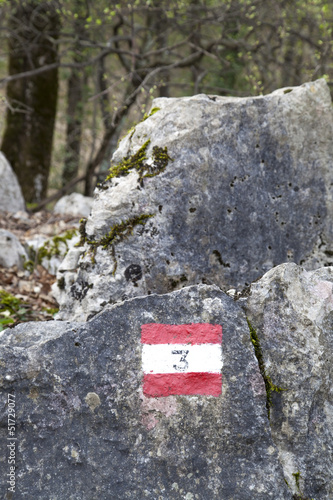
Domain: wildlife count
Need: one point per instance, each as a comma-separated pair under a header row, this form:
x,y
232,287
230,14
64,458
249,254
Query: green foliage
x,y
50,310
12,310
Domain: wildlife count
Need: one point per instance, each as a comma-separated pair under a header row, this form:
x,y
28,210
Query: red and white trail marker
x,y
181,359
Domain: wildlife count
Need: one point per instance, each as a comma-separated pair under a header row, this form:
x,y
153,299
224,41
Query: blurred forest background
x,y
75,75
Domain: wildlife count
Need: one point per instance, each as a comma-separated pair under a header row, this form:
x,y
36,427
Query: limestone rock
x,y
292,312
244,185
85,428
52,251
11,198
12,253
75,204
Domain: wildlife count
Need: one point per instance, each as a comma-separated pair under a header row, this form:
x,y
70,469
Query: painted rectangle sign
x,y
181,359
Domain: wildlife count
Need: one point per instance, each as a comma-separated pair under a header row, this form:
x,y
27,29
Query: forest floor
x,y
30,296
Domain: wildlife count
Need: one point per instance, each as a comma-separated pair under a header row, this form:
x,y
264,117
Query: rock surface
x,y
82,411
11,198
86,430
74,204
244,185
52,251
292,312
12,253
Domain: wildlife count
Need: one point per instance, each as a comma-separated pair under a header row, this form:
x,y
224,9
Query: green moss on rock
x,y
160,162
61,283
270,387
137,161
117,233
52,247
82,232
129,162
146,115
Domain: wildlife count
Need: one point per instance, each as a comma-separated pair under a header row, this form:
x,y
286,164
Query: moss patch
x,y
299,495
270,387
61,283
137,161
117,234
297,476
134,161
160,162
28,265
82,232
52,247
146,115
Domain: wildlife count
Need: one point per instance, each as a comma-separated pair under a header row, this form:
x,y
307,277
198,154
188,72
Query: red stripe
x,y
166,384
196,333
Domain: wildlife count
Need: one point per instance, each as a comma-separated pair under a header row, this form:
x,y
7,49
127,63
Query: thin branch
x,y
61,192
104,101
204,51
49,67
24,108
120,80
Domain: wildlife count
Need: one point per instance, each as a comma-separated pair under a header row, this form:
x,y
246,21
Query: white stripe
x,y
174,358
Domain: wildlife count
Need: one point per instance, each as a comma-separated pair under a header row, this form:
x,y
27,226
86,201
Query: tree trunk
x,y
76,83
75,97
27,141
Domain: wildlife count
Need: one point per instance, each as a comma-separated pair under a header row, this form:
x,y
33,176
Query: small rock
x,y
94,408
50,252
11,198
12,252
75,204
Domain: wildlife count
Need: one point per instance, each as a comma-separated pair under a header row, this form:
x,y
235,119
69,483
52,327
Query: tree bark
x,y
27,141
74,125
75,97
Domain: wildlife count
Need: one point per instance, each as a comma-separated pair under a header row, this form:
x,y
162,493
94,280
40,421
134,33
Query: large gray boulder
x,y
291,311
208,190
11,198
88,428
98,400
